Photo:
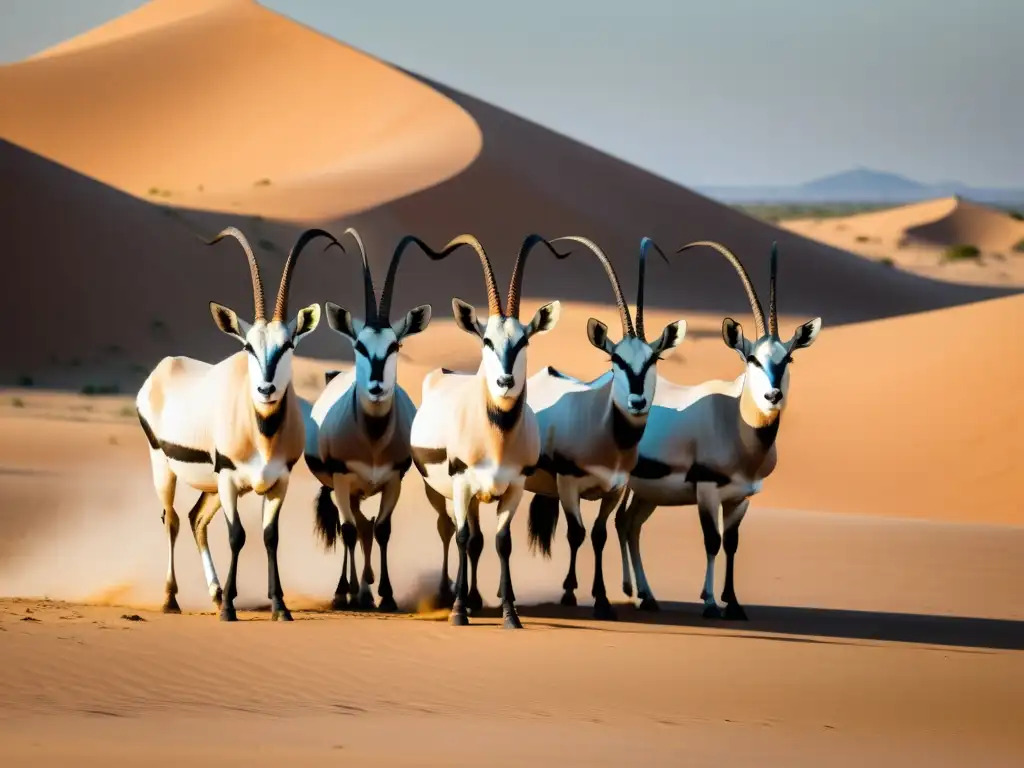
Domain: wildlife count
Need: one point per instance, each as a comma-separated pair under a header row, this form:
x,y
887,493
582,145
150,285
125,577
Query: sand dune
x,y
916,238
874,636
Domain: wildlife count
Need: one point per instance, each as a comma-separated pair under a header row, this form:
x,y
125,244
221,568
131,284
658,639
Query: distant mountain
x,y
863,185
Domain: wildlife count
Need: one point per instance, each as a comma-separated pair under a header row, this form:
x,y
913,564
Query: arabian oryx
x,y
590,430
475,438
357,436
713,444
230,428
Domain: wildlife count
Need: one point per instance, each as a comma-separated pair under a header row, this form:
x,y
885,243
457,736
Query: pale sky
x,y
715,92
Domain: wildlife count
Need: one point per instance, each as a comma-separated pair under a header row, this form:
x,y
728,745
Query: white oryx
x,y
230,428
474,438
713,444
357,435
591,430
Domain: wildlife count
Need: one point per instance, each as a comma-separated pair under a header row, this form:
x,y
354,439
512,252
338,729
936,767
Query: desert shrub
x,y
962,252
262,183
1019,247
100,389
886,261
862,238
17,402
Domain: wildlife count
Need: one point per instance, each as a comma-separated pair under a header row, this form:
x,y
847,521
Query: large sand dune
x,y
880,566
917,237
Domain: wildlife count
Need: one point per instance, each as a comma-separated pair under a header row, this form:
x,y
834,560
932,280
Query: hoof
x,y
171,605
339,603
712,611
474,602
366,602
569,598
227,613
458,618
735,612
627,588
387,605
603,610
446,599
512,619
217,596
282,614
703,595
649,604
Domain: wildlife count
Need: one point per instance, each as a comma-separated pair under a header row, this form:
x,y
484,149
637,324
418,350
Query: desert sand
x,y
880,567
916,238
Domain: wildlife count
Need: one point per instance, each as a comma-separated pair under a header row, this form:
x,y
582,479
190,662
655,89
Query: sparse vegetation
x,y
1019,247
262,183
775,212
100,389
17,402
126,411
962,252
158,192
887,261
862,238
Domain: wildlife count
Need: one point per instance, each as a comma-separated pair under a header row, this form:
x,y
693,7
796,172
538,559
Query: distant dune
x,y
918,238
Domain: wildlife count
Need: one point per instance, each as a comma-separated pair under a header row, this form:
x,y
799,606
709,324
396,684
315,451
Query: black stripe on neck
x,y
626,432
506,420
270,424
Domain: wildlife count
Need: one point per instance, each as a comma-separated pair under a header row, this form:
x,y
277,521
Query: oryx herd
x,y
629,438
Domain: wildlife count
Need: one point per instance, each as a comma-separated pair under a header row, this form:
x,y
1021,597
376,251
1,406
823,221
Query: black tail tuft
x,y
542,521
327,519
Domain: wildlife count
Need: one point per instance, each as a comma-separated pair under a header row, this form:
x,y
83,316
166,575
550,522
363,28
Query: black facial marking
x,y
650,469
625,432
185,454
148,431
635,378
698,473
270,424
270,369
505,420
220,461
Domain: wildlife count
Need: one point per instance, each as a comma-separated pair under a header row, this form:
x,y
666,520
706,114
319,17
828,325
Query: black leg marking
x,y
712,543
503,543
236,538
458,616
576,535
382,533
350,537
445,529
172,525
602,608
279,611
476,547
731,542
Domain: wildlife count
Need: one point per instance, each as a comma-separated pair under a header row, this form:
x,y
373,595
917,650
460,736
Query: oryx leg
x,y
642,510
569,498
165,482
272,502
345,501
382,532
599,536
476,547
507,506
732,515
205,509
236,538
445,530
462,496
623,518
707,506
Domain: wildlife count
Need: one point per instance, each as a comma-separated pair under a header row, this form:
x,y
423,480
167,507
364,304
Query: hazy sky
x,y
709,92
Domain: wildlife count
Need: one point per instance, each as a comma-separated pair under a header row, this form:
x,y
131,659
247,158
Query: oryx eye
x,y
361,350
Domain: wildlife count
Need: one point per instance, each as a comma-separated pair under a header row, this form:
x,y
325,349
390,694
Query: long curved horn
x,y
645,244
773,317
384,314
515,287
620,302
755,303
281,306
254,269
493,299
371,298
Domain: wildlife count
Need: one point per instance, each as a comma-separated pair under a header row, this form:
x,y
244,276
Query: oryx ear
x,y
415,320
465,318
228,321
305,322
732,334
597,332
670,338
341,321
545,318
805,335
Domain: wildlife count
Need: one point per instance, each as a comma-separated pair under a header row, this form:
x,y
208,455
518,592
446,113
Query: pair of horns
x,y
381,314
627,322
281,305
755,303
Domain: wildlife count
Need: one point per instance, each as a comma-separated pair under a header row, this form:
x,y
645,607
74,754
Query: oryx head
x,y
375,339
633,357
503,337
767,356
270,344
